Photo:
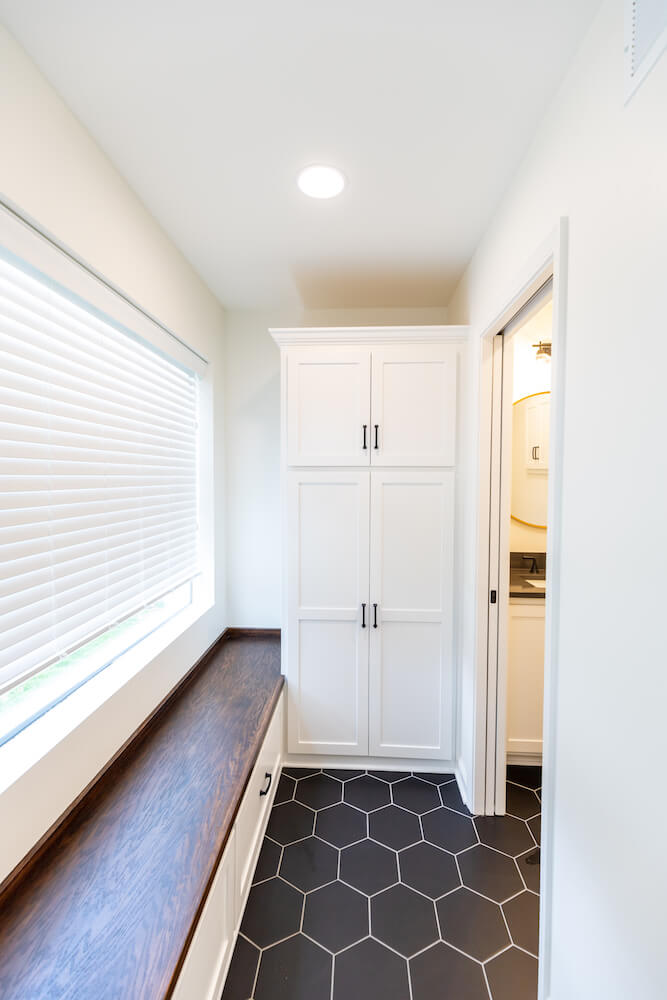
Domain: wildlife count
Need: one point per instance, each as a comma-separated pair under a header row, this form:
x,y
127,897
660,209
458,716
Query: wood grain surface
x,y
107,909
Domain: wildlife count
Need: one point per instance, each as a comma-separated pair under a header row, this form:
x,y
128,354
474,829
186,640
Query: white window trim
x,y
45,767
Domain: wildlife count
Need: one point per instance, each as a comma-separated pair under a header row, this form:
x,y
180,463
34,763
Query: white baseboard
x,y
370,763
462,781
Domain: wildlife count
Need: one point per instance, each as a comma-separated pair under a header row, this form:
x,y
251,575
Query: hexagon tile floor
x,y
381,886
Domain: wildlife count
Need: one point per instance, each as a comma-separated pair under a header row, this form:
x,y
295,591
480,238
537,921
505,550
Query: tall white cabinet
x,y
369,464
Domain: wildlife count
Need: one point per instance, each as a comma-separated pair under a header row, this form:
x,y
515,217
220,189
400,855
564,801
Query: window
x,y
99,539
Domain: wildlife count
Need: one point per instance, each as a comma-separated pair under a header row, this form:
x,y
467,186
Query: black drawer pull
x,y
375,616
365,429
363,616
266,790
377,427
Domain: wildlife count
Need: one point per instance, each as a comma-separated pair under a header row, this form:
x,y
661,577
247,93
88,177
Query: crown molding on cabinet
x,y
308,336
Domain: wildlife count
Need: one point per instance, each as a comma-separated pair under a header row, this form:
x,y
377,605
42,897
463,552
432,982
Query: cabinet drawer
x,y
208,956
257,800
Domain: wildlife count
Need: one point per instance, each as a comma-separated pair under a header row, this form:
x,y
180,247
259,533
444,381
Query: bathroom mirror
x,y
530,459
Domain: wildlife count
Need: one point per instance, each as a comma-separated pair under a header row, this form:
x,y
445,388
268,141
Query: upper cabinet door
x,y
414,405
328,406
537,431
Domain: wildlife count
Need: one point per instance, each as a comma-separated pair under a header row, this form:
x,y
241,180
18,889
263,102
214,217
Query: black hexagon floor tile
x,y
504,833
341,825
332,842
343,774
472,924
319,791
369,971
512,976
290,821
285,790
404,920
434,777
535,826
367,793
309,864
390,776
418,796
428,869
268,861
336,916
527,775
522,802
242,971
301,772
451,797
449,830
440,965
273,911
296,969
490,873
394,827
523,919
529,866
368,866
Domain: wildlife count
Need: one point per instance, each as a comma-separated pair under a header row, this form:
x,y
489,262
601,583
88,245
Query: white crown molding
x,y
308,336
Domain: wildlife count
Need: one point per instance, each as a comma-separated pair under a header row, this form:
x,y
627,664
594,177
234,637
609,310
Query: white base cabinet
x,y
369,431
206,964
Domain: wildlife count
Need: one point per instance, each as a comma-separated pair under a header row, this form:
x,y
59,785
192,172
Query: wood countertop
x,y
106,910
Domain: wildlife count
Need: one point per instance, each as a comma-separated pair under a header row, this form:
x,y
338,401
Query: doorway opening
x,y
518,523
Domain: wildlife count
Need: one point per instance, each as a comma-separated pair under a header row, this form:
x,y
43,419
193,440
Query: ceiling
x,y
210,107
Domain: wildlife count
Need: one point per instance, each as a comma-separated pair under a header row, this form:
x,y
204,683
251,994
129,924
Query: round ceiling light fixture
x,y
319,181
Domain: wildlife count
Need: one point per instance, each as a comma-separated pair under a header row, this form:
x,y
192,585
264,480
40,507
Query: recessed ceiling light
x,y
319,181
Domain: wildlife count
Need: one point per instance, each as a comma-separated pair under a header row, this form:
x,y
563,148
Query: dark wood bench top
x,y
106,911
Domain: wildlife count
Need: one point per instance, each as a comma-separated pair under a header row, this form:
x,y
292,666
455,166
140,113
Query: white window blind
x,y
98,472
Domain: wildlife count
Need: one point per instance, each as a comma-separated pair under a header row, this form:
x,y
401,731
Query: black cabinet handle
x,y
376,446
537,452
375,616
365,429
266,790
363,616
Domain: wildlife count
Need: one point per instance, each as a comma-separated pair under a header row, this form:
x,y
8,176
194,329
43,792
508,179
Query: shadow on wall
x,y
360,287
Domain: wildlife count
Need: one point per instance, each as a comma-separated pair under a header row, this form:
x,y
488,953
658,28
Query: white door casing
x,y
328,529
413,412
411,659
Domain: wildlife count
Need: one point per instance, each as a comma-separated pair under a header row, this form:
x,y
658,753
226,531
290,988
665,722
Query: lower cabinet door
x,y
411,660
328,613
525,677
210,951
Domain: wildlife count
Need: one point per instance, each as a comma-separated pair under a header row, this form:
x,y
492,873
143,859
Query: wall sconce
x,y
543,351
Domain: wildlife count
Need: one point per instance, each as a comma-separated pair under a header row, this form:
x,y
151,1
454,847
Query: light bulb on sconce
x,y
543,352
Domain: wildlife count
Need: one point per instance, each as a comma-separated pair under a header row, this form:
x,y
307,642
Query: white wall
x,y
252,397
51,168
604,166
